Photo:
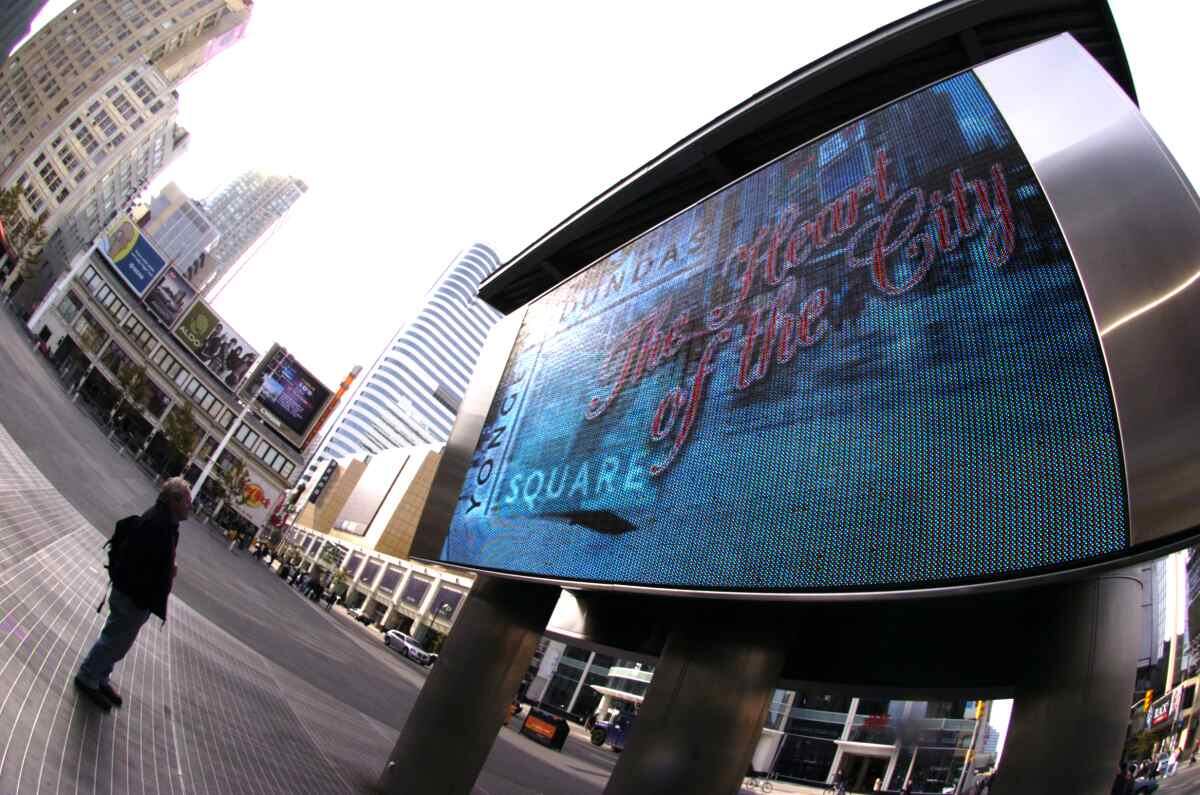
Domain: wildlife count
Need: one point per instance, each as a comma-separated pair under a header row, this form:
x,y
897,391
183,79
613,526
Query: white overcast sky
x,y
422,127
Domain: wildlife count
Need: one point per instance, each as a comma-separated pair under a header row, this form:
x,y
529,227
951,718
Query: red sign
x,y
1160,712
540,727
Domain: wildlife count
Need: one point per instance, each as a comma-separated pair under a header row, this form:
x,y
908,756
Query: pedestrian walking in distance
x,y
141,569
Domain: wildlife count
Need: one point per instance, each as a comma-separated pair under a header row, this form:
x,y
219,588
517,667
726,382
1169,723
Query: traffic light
x,y
1146,701
978,709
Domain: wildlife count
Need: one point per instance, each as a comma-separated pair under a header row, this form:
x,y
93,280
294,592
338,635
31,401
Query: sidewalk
x,y
204,713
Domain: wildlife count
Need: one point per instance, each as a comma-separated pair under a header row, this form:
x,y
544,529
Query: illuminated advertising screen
x,y
868,364
131,255
219,348
294,396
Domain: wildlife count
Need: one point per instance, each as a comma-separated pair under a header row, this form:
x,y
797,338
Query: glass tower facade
x,y
243,211
411,394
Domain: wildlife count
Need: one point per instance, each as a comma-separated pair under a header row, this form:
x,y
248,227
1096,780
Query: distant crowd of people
x,y
1164,765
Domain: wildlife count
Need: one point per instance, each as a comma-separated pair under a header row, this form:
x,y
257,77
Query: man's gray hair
x,y
174,488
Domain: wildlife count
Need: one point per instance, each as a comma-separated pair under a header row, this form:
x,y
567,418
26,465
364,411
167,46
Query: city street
x,y
1185,782
247,688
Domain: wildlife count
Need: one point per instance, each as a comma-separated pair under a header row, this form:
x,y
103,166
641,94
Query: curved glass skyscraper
x,y
412,392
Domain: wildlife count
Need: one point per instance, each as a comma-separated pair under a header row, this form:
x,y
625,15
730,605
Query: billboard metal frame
x,y
1119,199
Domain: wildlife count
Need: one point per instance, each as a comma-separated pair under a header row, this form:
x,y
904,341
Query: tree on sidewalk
x,y
182,433
232,482
133,389
26,236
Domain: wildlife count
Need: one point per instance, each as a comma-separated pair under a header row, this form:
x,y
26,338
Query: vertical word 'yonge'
x,y
490,451
896,247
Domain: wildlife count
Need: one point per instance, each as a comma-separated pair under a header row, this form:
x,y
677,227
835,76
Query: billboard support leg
x,y
1071,710
704,712
452,726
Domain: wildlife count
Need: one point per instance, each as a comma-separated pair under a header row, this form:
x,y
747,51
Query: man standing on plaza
x,y
141,566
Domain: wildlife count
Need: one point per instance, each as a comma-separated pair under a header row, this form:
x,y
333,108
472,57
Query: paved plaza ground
x,y
247,688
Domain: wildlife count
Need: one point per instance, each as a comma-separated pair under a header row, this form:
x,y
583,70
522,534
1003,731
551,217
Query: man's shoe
x,y
111,694
93,694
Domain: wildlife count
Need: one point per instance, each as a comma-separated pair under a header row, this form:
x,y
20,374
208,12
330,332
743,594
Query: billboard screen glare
x,y
868,364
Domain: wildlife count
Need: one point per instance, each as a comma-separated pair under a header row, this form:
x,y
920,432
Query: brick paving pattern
x,y
204,713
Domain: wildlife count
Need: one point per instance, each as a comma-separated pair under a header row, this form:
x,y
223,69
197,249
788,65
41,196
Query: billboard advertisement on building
x,y
288,392
131,255
169,297
868,364
225,354
257,501
381,473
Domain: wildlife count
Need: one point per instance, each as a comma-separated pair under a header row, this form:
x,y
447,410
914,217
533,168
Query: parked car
x,y
361,617
407,646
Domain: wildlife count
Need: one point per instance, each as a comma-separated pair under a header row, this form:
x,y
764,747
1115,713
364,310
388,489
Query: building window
x,y
69,307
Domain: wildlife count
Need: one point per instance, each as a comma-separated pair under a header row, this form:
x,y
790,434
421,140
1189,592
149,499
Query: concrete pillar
x,y
465,699
703,714
1071,706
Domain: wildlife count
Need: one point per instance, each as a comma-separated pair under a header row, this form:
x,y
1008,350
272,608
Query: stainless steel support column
x,y
1071,706
462,705
704,711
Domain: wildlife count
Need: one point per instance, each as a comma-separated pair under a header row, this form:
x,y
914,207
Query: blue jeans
x,y
125,619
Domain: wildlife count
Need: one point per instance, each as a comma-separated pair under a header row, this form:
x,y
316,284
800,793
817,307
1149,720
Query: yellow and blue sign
x,y
132,256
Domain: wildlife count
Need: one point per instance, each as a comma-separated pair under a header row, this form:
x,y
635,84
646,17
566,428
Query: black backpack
x,y
118,547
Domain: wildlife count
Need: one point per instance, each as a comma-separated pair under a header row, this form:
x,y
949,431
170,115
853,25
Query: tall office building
x,y
69,62
87,167
413,391
180,229
243,211
15,23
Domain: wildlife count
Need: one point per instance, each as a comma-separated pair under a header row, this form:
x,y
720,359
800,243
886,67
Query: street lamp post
x,y
980,715
233,426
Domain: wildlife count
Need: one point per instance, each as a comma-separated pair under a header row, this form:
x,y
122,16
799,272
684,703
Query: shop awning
x,y
612,692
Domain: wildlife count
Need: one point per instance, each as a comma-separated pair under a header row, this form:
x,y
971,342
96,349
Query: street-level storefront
x,y
394,593
131,374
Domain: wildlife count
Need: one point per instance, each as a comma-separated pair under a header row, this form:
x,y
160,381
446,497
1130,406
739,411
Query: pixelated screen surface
x,y
867,364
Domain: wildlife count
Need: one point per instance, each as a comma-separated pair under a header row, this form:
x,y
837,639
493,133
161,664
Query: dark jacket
x,y
143,566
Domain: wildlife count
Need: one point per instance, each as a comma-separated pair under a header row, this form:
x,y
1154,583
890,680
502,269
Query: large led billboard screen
x,y
294,395
290,394
870,363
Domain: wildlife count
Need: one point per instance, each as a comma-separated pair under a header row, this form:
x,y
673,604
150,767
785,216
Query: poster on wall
x,y
869,363
257,501
169,297
225,354
131,255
